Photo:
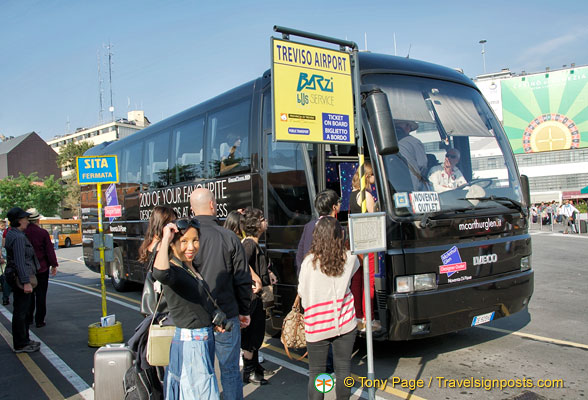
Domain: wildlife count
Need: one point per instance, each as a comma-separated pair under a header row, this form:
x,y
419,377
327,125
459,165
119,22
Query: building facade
x,y
107,132
545,117
27,154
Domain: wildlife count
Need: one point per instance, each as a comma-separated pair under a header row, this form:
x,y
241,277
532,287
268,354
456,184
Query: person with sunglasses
x,y
447,176
190,373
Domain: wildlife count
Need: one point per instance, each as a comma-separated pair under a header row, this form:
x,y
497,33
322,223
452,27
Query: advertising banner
x,y
546,111
312,94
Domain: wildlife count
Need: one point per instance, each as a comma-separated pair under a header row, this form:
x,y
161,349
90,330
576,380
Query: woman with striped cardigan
x,y
329,312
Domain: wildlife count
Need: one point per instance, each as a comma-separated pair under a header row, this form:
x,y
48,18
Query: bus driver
x,y
447,176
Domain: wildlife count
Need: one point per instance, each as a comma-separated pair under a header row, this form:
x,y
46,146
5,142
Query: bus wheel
x,y
117,272
67,242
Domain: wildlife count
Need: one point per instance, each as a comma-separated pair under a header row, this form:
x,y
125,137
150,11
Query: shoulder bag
x,y
151,290
159,340
293,335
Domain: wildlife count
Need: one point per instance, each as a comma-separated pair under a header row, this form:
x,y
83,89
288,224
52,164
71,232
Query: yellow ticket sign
x,y
312,93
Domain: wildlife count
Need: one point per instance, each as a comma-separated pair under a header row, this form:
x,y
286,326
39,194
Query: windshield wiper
x,y
500,199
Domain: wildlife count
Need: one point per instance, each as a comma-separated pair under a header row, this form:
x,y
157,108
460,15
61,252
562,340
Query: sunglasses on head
x,y
454,156
184,223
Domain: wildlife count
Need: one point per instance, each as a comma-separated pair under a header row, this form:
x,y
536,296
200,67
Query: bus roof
x,y
368,62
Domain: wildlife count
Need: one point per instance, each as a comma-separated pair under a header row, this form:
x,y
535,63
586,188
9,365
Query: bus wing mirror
x,y
380,119
526,190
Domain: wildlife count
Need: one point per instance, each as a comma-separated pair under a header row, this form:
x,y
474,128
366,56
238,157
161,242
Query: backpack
x,y
139,384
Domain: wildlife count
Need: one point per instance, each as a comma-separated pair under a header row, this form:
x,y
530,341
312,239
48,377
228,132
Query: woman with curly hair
x,y
329,312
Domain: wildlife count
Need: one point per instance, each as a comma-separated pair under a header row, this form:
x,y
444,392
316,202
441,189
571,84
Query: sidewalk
x,y
555,228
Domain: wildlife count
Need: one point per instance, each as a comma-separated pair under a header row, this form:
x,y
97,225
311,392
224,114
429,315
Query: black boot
x,y
249,374
266,373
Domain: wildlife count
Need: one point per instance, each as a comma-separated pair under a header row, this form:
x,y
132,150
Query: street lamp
x,y
483,43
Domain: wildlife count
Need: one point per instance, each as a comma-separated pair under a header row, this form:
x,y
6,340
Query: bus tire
x,y
117,272
67,242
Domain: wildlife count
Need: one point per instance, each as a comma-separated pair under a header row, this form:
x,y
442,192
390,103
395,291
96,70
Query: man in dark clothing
x,y
221,261
21,264
326,203
45,252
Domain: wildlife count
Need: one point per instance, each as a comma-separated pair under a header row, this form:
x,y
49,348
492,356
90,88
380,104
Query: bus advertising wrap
x,y
313,94
546,111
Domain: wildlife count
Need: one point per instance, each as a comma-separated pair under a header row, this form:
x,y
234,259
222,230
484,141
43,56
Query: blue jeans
x,y
190,373
227,347
7,289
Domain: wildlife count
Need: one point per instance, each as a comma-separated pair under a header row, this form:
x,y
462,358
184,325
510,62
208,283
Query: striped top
x,y
329,309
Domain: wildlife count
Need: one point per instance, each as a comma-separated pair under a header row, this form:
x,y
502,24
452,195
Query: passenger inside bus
x,y
447,176
230,157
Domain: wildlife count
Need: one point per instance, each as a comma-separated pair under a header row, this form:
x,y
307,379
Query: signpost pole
x,y
102,263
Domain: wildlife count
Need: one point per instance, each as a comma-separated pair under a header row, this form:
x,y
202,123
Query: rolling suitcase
x,y
111,362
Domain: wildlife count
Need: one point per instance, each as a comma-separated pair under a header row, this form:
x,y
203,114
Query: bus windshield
x,y
450,143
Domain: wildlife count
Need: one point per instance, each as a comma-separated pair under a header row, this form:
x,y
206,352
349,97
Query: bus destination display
x,y
313,94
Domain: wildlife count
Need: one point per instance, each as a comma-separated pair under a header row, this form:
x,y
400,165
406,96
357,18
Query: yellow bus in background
x,y
70,230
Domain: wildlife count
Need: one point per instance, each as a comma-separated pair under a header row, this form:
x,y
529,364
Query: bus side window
x,y
131,164
155,161
227,143
187,142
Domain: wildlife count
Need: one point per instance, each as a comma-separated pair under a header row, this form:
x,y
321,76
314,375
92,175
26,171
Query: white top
x,y
443,182
329,308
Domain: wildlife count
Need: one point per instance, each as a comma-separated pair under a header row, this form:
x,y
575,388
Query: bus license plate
x,y
482,319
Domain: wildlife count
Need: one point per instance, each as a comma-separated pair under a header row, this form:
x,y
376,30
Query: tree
x,y
67,160
28,191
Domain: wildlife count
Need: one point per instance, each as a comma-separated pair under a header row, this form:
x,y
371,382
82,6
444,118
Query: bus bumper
x,y
453,308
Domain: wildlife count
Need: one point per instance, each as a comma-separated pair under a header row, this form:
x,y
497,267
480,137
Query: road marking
x,y
34,370
87,290
69,259
537,337
395,392
84,391
97,290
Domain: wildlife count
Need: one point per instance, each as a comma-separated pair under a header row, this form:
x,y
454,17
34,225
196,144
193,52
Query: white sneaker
x,y
241,359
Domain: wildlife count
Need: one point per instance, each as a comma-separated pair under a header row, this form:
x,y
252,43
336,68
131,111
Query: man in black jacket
x,y
222,263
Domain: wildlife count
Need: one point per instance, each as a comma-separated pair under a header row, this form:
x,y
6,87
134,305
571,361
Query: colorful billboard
x,y
313,94
546,111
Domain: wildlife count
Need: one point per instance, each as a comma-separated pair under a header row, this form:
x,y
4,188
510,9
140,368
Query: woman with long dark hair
x,y
253,225
160,217
329,312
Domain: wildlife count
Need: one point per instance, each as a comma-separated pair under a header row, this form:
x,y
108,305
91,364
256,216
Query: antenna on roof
x,y
109,48
365,39
409,47
100,89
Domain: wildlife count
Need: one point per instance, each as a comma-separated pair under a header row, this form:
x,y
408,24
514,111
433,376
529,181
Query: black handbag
x,y
149,296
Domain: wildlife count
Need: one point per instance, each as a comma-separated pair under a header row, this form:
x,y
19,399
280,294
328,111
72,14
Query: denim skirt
x,y
190,373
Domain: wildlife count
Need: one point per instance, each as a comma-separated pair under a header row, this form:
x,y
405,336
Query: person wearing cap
x,y
21,264
45,253
447,176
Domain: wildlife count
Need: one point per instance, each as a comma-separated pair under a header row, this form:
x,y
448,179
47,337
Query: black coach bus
x,y
455,258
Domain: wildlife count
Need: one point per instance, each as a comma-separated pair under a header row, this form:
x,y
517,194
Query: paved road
x,y
549,341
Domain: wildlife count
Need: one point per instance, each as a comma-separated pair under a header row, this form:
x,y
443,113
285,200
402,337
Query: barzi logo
x,y
323,84
487,259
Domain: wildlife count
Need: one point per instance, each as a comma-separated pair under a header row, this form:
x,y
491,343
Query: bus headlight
x,y
425,282
525,263
416,283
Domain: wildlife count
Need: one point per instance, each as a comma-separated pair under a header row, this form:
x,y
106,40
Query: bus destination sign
x,y
97,169
312,94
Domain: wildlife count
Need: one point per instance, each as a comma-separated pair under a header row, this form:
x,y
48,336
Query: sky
x,y
170,55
